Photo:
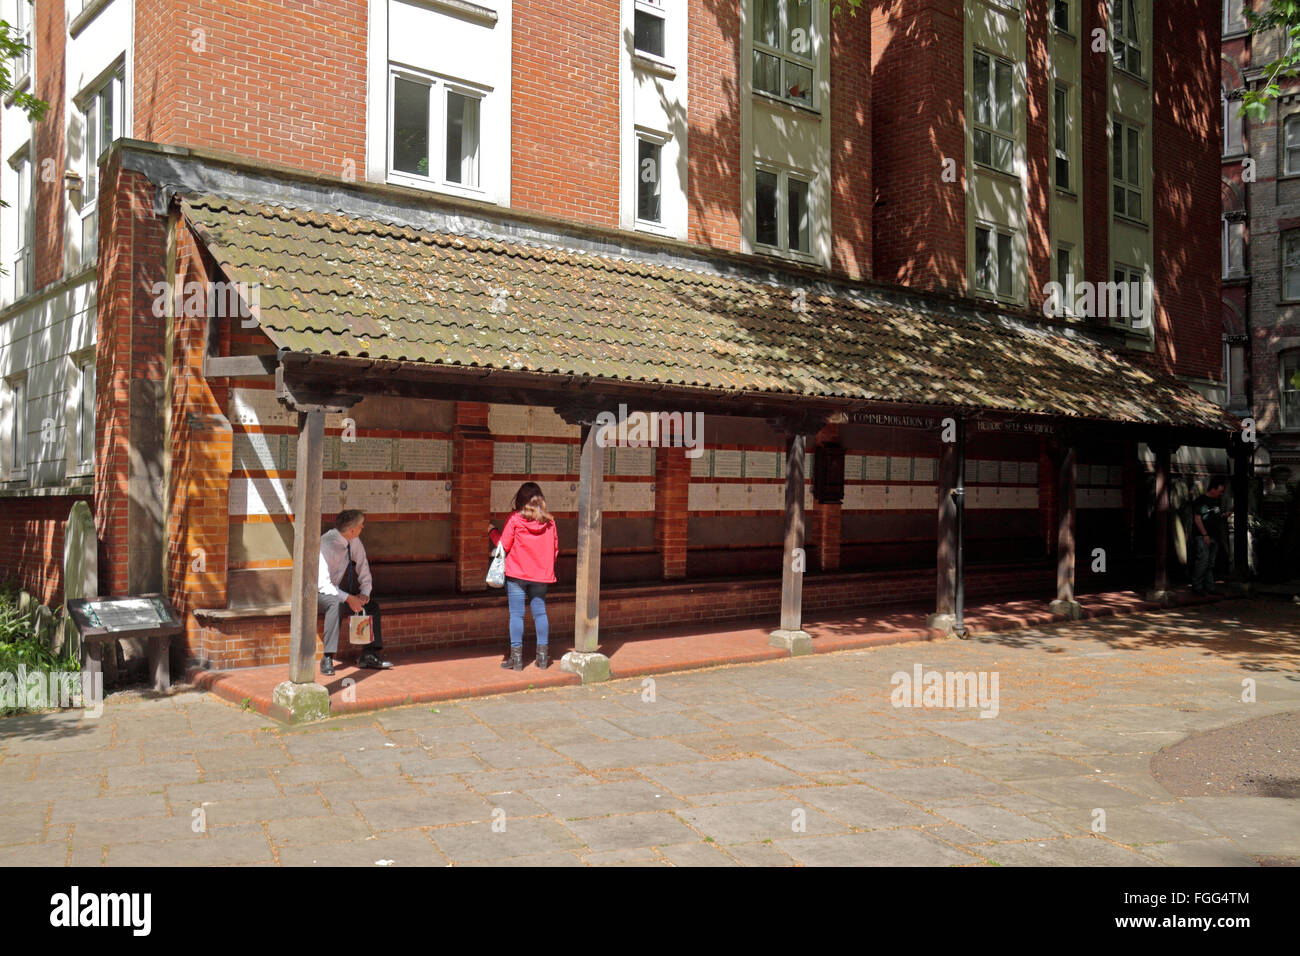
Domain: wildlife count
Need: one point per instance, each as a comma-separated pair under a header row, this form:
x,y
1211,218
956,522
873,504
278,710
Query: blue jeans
x,y
516,592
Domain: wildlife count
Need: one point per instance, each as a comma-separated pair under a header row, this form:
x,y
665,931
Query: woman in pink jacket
x,y
532,546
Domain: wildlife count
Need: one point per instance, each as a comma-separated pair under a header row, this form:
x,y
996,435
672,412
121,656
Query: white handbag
x,y
360,628
496,576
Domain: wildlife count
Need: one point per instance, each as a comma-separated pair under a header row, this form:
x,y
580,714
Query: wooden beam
x,y
951,466
1163,453
1242,465
795,558
306,546
239,366
1065,532
591,483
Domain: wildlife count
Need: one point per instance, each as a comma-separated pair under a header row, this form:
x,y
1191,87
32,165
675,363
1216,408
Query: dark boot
x,y
327,665
515,662
543,657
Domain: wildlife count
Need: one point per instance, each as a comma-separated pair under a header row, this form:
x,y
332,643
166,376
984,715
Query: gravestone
x,y
81,571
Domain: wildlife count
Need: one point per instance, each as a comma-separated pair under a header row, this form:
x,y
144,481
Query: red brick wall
x,y
198,520
132,249
851,196
277,80
49,35
1095,174
917,77
713,138
1186,198
672,491
565,109
1038,98
471,496
31,544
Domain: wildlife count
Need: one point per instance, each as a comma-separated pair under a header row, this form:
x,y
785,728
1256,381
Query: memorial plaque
x,y
508,419
561,496
550,459
366,454
733,497
764,464
900,468
630,495
702,467
855,497
1029,473
702,497
875,468
423,497
258,406
634,461
127,614
509,458
1008,472
728,464
423,455
259,496
253,451
331,497
1115,475
925,469
988,472
972,470
873,497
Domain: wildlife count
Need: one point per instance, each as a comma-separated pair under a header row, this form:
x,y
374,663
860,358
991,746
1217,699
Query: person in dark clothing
x,y
344,579
1207,525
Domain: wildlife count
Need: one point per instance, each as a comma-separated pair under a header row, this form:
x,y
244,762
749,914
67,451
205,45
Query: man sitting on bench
x,y
345,579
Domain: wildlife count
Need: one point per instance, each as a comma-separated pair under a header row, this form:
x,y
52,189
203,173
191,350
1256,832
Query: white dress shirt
x,y
334,564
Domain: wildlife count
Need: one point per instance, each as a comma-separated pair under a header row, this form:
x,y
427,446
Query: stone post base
x,y
592,668
944,624
304,702
1070,610
796,642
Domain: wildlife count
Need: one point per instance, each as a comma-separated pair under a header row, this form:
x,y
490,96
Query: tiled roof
x,y
339,285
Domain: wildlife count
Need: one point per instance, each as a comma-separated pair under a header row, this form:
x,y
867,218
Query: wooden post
x,y
1160,589
791,634
952,464
306,546
1242,464
1065,604
584,660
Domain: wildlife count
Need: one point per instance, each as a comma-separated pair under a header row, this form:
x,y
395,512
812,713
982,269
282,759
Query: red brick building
x,y
811,266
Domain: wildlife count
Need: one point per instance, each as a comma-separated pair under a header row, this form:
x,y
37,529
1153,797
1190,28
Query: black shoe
x,y
543,657
515,662
372,661
327,665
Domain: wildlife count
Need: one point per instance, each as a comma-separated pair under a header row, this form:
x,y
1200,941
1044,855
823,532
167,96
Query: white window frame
x,y
1063,129
783,176
1232,123
13,428
785,57
993,132
439,87
79,414
1126,36
996,232
23,266
1233,25
1067,281
23,66
653,8
1291,145
1289,238
1069,16
1235,399
1132,275
1229,226
89,107
1283,389
660,140
1121,176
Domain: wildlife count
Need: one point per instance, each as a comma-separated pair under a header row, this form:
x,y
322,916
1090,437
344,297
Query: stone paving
x,y
797,761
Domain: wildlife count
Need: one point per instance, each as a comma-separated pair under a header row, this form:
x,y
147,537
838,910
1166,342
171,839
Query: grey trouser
x,y
1203,566
334,605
